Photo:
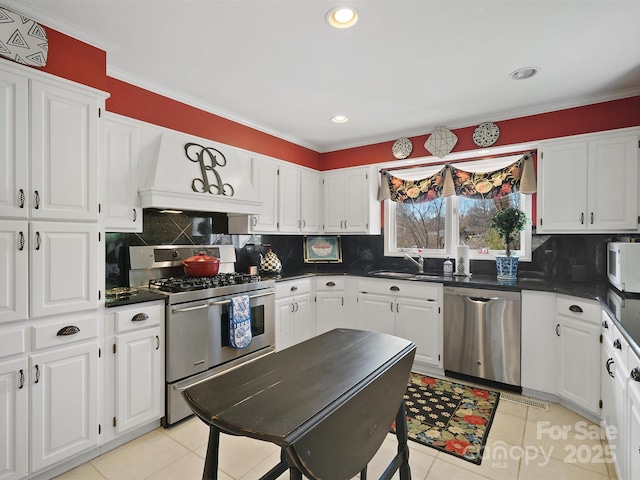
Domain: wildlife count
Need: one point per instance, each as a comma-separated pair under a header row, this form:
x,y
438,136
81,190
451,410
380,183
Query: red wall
x,y
573,121
75,60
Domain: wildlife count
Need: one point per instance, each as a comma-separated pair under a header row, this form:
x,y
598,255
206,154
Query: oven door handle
x,y
189,309
224,302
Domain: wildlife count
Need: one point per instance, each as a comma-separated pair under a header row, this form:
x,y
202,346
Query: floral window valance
x,y
516,177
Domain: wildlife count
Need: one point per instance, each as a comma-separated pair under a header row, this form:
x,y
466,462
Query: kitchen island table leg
x,y
211,459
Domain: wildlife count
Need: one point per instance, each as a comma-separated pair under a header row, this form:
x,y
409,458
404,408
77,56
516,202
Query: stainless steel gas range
x,y
198,315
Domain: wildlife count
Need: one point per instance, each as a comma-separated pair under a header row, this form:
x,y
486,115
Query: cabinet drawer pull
x,y
255,221
135,215
582,218
140,317
69,330
557,332
394,289
37,374
38,241
20,241
330,284
608,364
21,386
617,344
37,200
575,309
21,198
591,218
635,374
294,288
157,342
304,223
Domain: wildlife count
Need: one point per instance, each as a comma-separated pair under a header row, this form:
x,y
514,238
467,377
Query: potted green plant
x,y
508,223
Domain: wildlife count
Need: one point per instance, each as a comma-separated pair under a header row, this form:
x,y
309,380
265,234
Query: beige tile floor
x,y
524,443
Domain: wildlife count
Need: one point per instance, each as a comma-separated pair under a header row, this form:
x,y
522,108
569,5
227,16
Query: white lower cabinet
x,y
64,403
538,315
295,319
409,310
134,377
330,303
633,418
578,342
14,405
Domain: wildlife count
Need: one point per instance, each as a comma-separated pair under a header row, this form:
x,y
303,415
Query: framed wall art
x,y
320,249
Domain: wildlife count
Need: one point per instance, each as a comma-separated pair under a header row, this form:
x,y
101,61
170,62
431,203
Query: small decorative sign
x,y
325,249
22,40
208,158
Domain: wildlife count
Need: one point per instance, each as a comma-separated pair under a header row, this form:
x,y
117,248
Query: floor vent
x,y
525,401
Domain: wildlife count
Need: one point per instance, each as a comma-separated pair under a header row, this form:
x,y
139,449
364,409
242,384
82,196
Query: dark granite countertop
x,y
139,297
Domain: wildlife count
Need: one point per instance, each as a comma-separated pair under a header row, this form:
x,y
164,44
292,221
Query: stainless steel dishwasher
x,y
482,334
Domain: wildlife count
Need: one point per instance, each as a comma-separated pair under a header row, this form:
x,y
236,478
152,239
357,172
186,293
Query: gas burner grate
x,y
189,284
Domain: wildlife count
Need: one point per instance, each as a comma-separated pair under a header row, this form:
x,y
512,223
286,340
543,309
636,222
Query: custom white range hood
x,y
185,172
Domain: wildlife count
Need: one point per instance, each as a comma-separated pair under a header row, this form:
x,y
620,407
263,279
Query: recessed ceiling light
x,y
524,73
342,17
339,119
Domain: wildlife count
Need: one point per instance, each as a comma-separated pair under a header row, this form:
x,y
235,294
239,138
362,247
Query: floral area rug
x,y
449,417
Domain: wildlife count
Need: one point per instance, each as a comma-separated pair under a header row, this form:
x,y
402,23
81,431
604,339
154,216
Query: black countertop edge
x,y
591,290
140,296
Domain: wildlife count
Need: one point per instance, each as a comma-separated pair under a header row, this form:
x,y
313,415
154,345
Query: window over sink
x,y
434,228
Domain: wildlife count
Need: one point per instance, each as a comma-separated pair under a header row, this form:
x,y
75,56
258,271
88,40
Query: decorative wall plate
x,y
22,40
486,134
441,142
402,148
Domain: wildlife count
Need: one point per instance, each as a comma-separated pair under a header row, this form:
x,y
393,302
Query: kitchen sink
x,y
394,274
405,275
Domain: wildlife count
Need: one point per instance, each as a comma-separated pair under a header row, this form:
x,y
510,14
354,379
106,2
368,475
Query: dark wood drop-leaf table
x,y
328,402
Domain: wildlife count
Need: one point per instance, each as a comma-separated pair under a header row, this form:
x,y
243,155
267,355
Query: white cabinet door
x,y
64,152
284,323
633,418
64,259
139,378
613,184
14,270
64,403
538,355
266,180
14,146
304,326
356,202
310,211
376,313
419,321
14,405
121,210
579,352
334,207
562,193
289,199
330,311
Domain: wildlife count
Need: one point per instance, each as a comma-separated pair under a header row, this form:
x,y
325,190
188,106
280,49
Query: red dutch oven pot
x,y
201,265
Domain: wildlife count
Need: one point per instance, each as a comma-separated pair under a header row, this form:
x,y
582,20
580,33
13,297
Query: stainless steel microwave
x,y
623,266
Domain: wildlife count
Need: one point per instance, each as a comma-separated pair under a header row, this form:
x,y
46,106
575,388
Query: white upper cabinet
x,y
64,266
64,152
121,152
310,205
14,162
589,185
350,204
49,155
289,199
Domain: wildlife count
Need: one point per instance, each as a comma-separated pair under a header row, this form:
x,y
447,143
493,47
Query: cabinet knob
x,y
635,374
575,309
617,344
605,325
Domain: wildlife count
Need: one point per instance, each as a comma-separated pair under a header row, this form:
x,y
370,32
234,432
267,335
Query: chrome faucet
x,y
419,264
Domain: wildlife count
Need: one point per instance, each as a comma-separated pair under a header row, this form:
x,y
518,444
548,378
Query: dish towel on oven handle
x,y
240,322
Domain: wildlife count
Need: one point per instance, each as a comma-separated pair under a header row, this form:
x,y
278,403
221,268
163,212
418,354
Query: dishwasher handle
x,y
482,299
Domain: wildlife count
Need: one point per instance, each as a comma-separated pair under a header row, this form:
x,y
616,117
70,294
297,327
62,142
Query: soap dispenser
x,y
448,267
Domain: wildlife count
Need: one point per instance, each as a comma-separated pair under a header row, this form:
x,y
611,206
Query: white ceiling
x,y
405,68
